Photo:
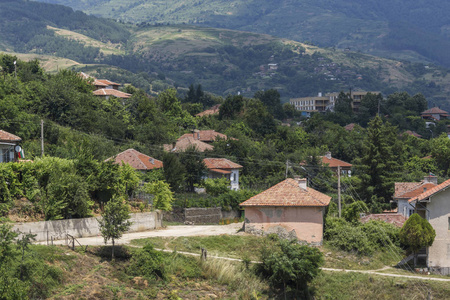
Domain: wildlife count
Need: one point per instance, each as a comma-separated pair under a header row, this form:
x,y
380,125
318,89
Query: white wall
x,y
45,230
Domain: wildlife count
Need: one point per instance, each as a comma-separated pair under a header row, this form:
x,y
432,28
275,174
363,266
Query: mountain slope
x,y
362,25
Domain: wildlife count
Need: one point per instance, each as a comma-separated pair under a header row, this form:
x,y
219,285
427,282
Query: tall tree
x,y
114,221
271,99
192,161
379,165
174,171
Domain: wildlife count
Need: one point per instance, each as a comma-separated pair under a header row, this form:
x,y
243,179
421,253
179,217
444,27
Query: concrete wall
x,y
303,223
438,214
203,215
45,230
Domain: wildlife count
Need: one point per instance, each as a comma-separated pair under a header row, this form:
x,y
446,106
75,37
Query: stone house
x,y
8,143
434,205
222,167
290,209
434,114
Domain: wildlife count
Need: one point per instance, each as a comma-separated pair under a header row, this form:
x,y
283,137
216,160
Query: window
x,y
448,223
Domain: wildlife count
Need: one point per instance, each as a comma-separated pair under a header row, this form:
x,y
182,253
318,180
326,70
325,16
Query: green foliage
x,y
149,263
291,264
351,211
216,187
417,233
174,171
163,196
114,221
192,160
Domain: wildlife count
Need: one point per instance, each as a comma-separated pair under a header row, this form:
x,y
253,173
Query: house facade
x,y
407,190
8,143
220,168
434,205
434,114
290,209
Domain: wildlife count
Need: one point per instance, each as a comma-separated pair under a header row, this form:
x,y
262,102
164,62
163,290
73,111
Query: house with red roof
x,y
210,112
404,191
137,160
222,167
206,136
185,142
434,205
290,209
105,88
9,149
434,114
335,164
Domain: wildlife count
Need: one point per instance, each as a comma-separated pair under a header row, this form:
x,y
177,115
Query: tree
x,y
417,233
271,99
231,107
174,171
291,265
379,165
192,161
258,118
114,221
163,195
343,104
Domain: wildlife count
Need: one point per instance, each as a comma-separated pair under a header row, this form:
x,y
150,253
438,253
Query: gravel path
x,y
182,230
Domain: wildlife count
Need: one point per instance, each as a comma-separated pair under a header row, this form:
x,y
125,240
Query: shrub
x,y
217,186
148,263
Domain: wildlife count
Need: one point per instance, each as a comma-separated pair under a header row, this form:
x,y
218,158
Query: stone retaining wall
x,y
196,215
46,230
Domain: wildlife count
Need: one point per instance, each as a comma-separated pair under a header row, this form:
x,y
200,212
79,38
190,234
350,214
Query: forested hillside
x,y
368,26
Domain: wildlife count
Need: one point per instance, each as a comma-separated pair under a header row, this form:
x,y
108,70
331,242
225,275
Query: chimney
x,y
328,155
196,134
319,94
430,179
302,182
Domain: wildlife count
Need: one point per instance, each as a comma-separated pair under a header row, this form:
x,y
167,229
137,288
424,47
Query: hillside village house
x,y
137,160
407,190
334,164
210,112
182,144
221,167
105,88
289,208
206,136
8,142
434,114
434,205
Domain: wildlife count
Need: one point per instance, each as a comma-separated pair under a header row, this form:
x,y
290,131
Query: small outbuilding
x,y
137,160
290,209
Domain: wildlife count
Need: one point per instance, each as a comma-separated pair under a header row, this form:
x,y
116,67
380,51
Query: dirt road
x,y
182,230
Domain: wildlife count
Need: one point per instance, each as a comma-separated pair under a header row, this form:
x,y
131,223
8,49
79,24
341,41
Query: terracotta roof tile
x,y
334,162
220,163
111,92
438,188
350,127
209,112
205,135
412,133
183,143
434,110
137,160
288,193
8,137
105,82
395,219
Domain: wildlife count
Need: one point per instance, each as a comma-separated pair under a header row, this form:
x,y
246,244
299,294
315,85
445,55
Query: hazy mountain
x,y
414,30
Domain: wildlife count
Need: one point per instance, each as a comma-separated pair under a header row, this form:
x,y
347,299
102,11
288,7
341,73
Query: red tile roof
x,y
350,127
334,162
182,144
412,133
105,82
220,163
434,110
395,219
438,188
137,160
205,135
288,193
111,92
8,137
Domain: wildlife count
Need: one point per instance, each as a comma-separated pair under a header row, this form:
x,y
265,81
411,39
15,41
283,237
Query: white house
x,y
8,142
222,167
407,190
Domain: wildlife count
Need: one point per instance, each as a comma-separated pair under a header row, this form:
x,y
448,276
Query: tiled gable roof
x,y
434,110
105,82
8,137
205,135
211,111
349,127
137,160
438,188
182,144
334,162
412,133
395,219
288,193
111,92
220,163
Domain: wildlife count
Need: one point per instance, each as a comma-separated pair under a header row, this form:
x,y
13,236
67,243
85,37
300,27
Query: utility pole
x,y
15,69
42,137
339,190
287,167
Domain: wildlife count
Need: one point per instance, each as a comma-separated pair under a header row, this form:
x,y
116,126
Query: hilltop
x,y
399,29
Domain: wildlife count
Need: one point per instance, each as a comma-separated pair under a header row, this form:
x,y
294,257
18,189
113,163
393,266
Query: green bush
x,y
149,263
216,186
